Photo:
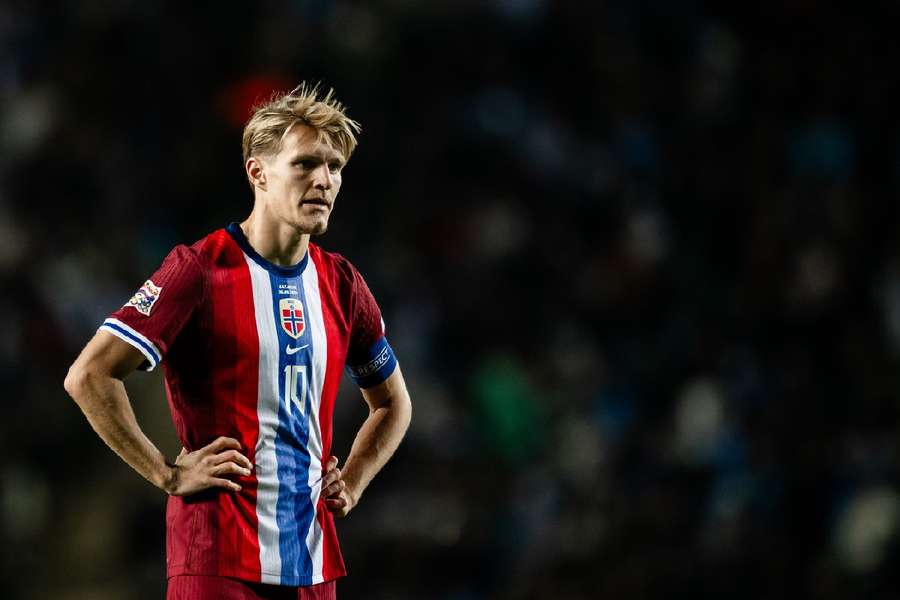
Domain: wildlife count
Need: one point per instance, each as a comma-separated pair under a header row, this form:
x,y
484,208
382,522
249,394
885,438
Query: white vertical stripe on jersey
x,y
267,412
317,381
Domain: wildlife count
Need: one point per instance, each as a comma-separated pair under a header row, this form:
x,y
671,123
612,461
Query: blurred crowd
x,y
638,261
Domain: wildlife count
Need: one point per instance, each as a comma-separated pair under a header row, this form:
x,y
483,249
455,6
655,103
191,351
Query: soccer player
x,y
253,325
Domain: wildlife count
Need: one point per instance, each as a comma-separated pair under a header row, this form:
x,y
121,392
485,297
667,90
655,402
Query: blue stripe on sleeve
x,y
140,344
377,366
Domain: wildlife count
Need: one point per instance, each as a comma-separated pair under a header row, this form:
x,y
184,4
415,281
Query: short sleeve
x,y
370,359
152,319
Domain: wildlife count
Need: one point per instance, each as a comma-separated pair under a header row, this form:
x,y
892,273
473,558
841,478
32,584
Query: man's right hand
x,y
207,468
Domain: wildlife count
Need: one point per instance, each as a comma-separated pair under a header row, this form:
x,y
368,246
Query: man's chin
x,y
314,228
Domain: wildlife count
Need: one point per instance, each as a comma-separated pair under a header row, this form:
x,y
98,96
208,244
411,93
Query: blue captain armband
x,y
375,367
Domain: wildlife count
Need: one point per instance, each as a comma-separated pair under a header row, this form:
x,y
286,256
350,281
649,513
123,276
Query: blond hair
x,y
265,130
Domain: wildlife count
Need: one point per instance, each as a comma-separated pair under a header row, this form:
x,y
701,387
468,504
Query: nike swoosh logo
x,y
290,350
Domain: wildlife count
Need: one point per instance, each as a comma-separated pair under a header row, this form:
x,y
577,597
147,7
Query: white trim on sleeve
x,y
136,339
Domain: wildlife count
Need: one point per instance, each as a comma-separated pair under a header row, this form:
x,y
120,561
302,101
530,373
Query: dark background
x,y
638,260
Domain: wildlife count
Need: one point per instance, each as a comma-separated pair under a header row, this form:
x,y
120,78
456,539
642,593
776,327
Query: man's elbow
x,y
79,380
75,381
403,406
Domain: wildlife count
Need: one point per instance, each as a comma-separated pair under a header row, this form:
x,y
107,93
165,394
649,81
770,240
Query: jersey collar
x,y
237,234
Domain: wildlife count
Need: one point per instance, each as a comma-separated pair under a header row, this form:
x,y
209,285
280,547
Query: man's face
x,y
302,181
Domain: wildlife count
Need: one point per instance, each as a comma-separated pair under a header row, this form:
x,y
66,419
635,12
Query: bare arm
x,y
95,383
390,411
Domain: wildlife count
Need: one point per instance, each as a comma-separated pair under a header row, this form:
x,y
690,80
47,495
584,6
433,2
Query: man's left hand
x,y
338,498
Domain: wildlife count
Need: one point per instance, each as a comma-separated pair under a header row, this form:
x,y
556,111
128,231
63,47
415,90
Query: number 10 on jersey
x,y
294,374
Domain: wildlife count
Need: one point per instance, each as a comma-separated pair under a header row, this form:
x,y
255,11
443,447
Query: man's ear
x,y
256,172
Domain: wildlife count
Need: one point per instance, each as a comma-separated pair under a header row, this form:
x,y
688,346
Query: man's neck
x,y
277,242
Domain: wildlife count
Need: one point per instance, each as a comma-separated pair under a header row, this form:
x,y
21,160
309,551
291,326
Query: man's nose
x,y
323,178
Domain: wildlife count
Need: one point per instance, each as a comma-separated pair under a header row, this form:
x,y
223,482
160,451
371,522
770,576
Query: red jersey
x,y
254,351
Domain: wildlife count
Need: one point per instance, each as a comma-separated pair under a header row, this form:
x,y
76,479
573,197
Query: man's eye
x,y
334,167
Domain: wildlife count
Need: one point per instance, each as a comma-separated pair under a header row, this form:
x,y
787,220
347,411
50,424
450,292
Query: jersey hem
x,y
255,577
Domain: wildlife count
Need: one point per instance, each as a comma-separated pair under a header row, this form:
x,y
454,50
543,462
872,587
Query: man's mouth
x,y
316,202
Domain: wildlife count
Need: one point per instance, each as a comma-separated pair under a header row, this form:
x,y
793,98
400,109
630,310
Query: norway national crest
x,y
292,320
143,300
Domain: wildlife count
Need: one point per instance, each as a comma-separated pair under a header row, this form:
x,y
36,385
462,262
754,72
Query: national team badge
x,y
292,321
145,297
